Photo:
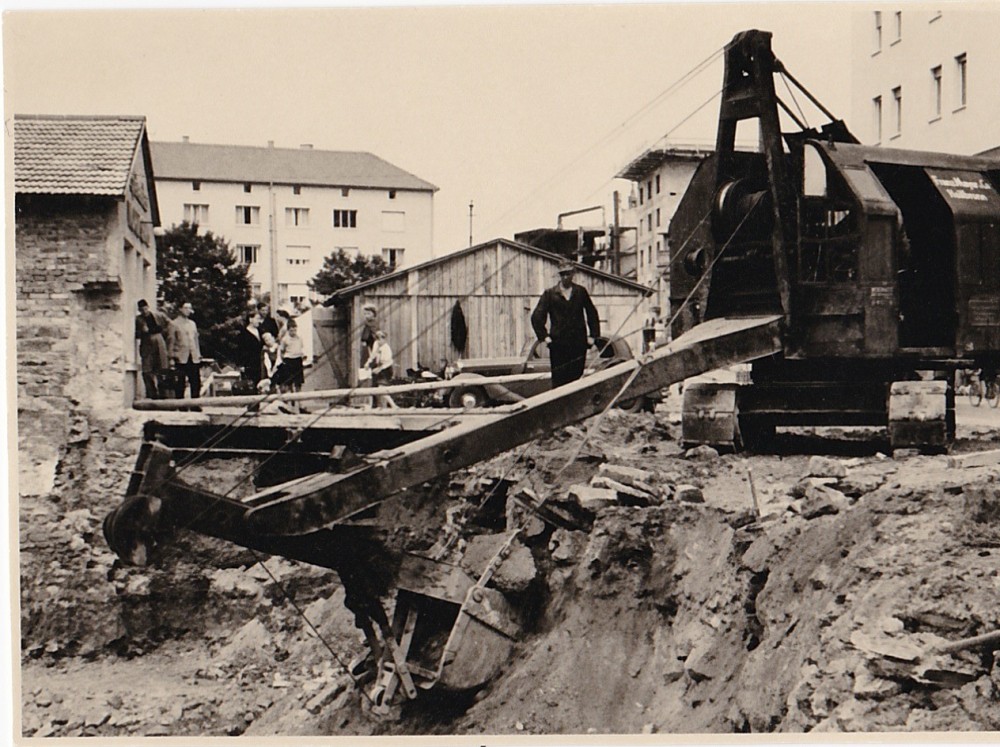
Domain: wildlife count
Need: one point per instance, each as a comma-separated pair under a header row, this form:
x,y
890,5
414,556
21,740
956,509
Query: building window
x,y
649,222
297,256
282,292
345,191
657,184
297,217
345,218
877,118
392,194
649,189
657,217
196,185
296,189
393,257
898,26
936,92
196,213
247,215
640,194
393,221
247,187
247,253
878,31
961,68
897,109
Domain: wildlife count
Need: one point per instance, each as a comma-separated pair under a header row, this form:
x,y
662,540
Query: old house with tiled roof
x,y
283,210
85,209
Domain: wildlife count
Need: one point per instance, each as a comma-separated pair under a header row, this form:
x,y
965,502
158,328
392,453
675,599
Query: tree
x,y
340,270
202,269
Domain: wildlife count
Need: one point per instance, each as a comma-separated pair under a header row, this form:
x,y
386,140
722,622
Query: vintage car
x,y
534,358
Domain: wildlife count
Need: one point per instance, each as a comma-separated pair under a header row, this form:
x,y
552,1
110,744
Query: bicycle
x,y
992,391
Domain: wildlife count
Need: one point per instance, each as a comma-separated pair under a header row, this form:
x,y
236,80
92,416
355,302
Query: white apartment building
x,y
922,78
284,210
659,179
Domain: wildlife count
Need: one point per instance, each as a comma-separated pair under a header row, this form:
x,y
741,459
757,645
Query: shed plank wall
x,y
497,311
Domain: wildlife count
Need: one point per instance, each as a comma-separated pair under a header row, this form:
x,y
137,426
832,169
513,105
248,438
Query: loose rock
x,y
703,452
628,475
593,498
820,466
626,494
822,501
689,494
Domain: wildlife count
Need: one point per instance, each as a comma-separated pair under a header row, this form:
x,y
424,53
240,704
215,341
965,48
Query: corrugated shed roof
x,y
74,154
307,166
555,258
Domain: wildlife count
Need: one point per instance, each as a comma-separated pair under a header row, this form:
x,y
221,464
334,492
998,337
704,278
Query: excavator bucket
x,y
448,630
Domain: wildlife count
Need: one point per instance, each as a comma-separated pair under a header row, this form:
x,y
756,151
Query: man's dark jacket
x,y
567,326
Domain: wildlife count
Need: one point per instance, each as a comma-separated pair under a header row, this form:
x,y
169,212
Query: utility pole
x,y
615,239
470,222
272,245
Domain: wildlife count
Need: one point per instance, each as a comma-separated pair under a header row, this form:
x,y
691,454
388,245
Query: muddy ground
x,y
687,615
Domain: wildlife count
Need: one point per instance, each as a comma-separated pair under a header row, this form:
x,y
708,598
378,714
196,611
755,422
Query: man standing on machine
x,y
568,310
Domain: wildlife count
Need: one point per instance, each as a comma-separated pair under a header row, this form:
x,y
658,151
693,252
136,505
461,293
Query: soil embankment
x,y
684,615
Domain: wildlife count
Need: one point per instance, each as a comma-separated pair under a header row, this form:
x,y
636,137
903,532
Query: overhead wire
x,y
614,132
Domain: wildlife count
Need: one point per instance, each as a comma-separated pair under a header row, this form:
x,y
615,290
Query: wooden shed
x,y
495,285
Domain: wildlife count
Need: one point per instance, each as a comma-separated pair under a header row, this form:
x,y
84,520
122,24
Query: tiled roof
x,y
238,163
74,155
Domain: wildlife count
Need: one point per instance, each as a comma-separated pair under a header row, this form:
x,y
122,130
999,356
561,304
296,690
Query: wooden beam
x,y
323,500
347,419
327,394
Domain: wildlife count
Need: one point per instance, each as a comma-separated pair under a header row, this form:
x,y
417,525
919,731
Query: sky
x,y
526,111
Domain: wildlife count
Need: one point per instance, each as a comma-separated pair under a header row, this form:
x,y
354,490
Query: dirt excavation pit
x,y
661,604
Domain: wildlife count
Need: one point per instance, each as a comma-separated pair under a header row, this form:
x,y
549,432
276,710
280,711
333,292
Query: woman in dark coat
x,y
150,327
249,347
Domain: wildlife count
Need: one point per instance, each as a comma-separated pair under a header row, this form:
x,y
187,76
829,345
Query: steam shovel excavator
x,y
884,265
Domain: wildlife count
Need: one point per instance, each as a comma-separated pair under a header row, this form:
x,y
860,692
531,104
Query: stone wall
x,y
77,439
70,330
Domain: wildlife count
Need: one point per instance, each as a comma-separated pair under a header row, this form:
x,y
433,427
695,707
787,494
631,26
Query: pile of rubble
x,y
677,591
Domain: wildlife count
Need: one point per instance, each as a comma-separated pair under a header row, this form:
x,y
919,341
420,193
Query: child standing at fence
x,y
380,363
290,376
270,360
